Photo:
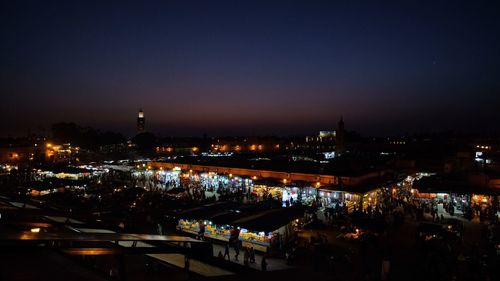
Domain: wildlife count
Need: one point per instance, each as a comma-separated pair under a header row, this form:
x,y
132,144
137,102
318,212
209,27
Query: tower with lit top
x,y
141,122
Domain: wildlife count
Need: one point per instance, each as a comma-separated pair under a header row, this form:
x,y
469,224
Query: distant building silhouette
x,y
141,122
340,138
322,142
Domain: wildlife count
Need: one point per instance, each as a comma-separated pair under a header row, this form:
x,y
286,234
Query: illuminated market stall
x,y
457,196
263,230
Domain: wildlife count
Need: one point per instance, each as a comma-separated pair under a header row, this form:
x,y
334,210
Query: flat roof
x,y
279,164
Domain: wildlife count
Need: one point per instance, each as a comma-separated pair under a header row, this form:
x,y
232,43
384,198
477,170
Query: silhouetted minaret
x,y
141,122
340,138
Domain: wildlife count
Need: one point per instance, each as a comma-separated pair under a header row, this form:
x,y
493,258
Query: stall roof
x,y
227,217
331,188
268,182
69,170
264,216
372,185
438,184
54,183
205,211
270,220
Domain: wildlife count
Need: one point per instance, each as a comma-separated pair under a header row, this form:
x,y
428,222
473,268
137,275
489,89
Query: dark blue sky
x,y
251,67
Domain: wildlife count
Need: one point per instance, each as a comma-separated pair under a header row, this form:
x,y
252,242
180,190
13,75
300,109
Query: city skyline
x,y
249,140
246,68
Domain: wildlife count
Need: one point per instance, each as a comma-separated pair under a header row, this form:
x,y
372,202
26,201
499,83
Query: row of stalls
x,y
176,178
71,172
55,185
288,193
458,196
350,197
308,195
264,227
58,179
326,196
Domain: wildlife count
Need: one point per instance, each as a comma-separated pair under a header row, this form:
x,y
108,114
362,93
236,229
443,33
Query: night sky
x,y
251,67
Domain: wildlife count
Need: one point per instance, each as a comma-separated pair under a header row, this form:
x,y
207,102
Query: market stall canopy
x,y
55,183
371,185
204,212
69,170
441,184
227,217
270,220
